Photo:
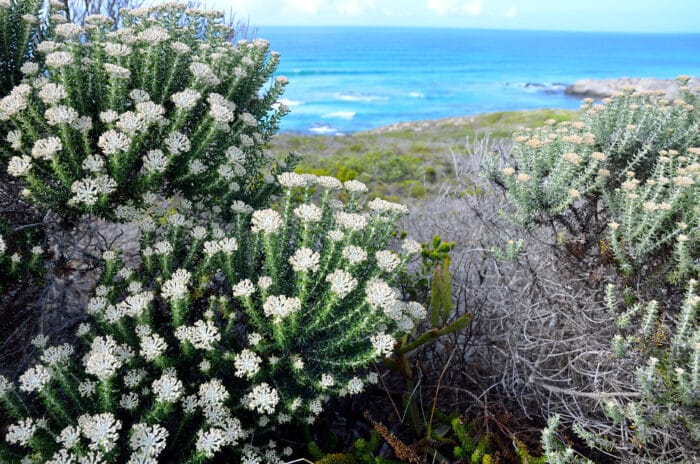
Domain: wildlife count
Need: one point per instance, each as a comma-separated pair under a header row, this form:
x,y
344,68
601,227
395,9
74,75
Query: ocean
x,y
348,79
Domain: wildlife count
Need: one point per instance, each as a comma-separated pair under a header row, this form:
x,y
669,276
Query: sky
x,y
658,16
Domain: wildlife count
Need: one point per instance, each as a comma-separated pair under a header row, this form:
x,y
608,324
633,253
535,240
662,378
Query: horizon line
x,y
501,29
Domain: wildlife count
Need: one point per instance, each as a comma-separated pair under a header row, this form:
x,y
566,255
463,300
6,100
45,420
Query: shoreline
x,y
427,125
579,89
482,120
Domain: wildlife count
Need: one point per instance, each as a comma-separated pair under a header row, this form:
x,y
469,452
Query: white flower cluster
x,y
167,389
147,441
102,430
387,260
152,346
305,260
308,213
263,399
203,335
383,343
21,432
279,307
102,360
383,206
266,220
35,378
243,288
247,364
176,287
341,283
292,180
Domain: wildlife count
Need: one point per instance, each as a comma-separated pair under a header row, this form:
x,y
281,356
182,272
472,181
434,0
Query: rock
x,y
600,88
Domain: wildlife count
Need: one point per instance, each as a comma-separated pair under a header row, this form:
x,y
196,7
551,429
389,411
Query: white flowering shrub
x,y
631,163
222,332
162,104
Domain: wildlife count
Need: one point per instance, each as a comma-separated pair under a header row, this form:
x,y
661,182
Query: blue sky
x,y
581,15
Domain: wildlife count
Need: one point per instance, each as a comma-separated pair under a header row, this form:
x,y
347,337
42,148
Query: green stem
x,y
105,391
433,334
14,405
56,407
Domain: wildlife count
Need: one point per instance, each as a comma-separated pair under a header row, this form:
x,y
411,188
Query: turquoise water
x,y
347,79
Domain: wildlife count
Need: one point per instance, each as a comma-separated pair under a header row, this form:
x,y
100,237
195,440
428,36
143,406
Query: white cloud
x,y
511,12
472,8
303,6
355,7
445,7
441,7
242,8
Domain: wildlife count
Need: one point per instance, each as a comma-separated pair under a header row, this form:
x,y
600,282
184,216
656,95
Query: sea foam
x,y
339,115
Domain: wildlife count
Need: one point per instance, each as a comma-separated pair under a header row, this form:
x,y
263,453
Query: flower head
x,y
113,141
176,287
355,186
212,393
351,221
247,364
210,441
148,440
262,399
35,378
387,260
101,429
21,432
383,206
308,213
102,360
152,346
383,344
46,148
305,260
342,282
279,306
354,254
266,220
291,180
19,166
379,294
167,389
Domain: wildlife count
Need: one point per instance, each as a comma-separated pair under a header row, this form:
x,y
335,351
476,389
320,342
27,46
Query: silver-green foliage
x,y
633,161
661,212
554,450
222,333
555,166
667,411
165,102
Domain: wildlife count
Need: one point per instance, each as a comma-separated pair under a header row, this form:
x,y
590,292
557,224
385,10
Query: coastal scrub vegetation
x,y
194,293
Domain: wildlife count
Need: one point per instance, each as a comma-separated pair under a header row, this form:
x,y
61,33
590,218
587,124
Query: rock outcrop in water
x,y
600,88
